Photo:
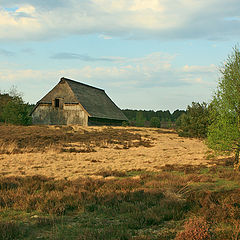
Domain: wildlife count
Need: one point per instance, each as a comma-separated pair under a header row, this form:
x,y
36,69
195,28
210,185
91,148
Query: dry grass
x,y
59,182
72,151
164,205
19,139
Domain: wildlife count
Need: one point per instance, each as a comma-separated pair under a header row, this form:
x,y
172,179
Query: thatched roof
x,y
94,100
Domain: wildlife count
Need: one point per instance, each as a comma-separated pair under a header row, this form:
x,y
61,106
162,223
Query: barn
x,y
71,102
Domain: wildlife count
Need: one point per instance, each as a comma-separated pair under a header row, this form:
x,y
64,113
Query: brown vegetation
x,y
72,151
201,204
42,138
59,182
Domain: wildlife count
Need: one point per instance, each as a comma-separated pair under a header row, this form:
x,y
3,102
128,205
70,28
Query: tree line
x,y
150,118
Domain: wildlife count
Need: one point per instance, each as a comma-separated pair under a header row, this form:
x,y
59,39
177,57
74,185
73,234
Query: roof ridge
x,y
67,79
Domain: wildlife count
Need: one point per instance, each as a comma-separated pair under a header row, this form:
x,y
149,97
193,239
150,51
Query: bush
x,y
13,109
195,229
155,122
194,122
4,99
16,112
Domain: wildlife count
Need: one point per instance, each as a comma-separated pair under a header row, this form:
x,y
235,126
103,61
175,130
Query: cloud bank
x,y
131,19
86,58
148,80
152,70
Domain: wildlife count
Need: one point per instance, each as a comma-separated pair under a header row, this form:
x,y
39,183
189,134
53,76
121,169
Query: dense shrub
x,y
13,109
194,122
16,112
155,122
195,229
4,99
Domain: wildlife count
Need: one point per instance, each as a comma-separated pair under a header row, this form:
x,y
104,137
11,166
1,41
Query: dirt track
x,y
71,152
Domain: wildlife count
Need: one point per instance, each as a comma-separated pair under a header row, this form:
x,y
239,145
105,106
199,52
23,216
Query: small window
x,y
57,105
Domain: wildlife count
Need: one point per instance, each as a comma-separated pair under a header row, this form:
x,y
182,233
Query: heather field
x,y
71,152
114,183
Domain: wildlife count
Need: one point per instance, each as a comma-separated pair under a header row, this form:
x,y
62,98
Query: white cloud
x,y
204,75
37,20
155,68
199,69
19,24
27,9
152,76
86,58
105,37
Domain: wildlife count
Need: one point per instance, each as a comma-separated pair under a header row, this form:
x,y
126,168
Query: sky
x,y
146,54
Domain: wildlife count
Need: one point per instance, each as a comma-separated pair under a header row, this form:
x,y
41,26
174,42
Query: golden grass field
x,y
73,152
109,183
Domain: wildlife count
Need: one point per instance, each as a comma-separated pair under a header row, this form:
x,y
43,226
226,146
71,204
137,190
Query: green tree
x,y
176,114
140,119
13,109
224,130
155,122
4,99
194,122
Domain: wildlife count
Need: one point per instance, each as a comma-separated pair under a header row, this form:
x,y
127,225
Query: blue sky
x,y
146,54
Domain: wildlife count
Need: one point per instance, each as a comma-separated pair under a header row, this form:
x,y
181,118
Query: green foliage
x,y
194,122
16,112
224,130
176,114
13,109
140,119
155,122
148,114
4,99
